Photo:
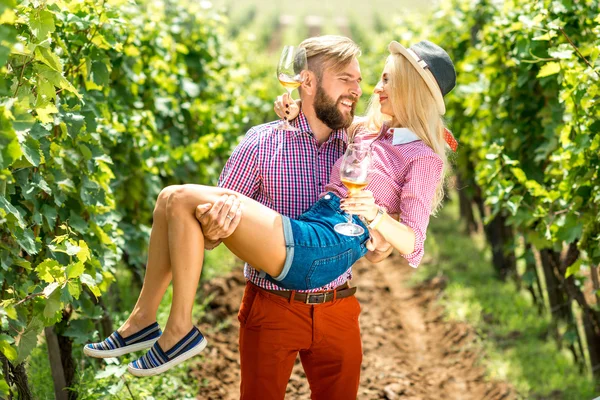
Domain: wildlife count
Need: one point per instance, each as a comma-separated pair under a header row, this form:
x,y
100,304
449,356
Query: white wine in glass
x,y
355,173
291,63
289,83
354,186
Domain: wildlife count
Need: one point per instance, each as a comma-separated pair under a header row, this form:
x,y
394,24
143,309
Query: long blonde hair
x,y
414,108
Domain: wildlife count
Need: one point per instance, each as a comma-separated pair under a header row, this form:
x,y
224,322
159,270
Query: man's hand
x,y
377,242
379,248
220,220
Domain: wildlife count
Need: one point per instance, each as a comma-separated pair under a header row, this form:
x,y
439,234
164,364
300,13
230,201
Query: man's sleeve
x,y
241,172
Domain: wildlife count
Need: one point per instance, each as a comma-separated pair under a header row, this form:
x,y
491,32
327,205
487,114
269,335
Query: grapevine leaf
x,y
41,23
75,270
53,305
548,69
28,339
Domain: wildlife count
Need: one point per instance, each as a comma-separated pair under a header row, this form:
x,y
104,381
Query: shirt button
x,y
327,197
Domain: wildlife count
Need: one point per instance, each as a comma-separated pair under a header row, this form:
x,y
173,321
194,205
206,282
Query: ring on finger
x,y
229,216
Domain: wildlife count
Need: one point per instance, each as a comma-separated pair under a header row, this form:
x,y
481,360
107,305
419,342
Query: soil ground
x,y
410,351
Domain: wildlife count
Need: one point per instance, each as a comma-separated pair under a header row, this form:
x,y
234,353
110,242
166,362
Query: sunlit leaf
x,y
41,23
548,69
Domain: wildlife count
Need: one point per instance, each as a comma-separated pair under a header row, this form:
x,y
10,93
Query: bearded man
x,y
286,171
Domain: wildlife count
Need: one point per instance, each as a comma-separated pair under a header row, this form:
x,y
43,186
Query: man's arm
x,y
241,174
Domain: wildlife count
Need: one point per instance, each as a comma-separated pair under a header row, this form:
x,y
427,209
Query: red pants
x,y
272,332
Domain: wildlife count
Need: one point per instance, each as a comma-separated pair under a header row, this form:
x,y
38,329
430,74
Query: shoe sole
x,y
119,351
170,364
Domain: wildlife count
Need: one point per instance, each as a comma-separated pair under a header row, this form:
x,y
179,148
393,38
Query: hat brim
x,y
396,48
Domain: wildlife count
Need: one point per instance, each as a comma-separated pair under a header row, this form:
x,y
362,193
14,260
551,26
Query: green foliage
x,y
102,104
526,111
104,379
515,337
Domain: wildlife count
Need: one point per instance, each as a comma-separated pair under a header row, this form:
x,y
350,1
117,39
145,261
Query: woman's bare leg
x,y
158,270
258,240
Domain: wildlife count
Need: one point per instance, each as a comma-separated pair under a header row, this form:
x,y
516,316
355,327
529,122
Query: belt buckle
x,y
321,296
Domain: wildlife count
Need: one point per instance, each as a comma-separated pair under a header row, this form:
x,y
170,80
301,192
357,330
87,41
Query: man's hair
x,y
329,52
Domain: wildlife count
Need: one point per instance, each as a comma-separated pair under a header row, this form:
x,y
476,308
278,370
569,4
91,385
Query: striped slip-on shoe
x,y
157,361
116,345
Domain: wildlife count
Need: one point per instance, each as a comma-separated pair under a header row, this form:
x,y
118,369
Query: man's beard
x,y
327,110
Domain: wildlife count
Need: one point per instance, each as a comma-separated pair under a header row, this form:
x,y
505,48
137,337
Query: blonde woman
x,y
407,137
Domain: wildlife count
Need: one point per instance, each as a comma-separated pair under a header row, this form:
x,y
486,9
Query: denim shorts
x,y
316,253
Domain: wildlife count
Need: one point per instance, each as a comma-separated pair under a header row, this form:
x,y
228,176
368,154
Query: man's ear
x,y
309,82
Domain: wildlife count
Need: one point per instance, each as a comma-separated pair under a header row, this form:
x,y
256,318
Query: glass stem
x,y
285,117
349,213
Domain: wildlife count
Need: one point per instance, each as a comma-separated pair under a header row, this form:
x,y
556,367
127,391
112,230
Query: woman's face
x,y
382,91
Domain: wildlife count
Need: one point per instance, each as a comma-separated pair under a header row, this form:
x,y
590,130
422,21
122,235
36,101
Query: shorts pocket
x,y
327,269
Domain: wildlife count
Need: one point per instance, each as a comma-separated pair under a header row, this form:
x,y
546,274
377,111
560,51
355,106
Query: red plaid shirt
x,y
286,171
404,178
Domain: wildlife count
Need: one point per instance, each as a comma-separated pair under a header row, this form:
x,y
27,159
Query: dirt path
x,y
410,352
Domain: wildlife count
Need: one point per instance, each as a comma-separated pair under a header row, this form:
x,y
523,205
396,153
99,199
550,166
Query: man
x,y
287,171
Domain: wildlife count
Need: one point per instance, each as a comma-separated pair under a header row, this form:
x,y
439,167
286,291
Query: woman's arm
x,y
398,235
419,188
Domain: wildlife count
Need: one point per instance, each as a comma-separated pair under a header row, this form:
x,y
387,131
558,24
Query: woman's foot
x,y
135,323
173,334
157,360
117,344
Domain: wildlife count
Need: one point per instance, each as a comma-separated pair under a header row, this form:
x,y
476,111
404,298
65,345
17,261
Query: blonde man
x,y
287,171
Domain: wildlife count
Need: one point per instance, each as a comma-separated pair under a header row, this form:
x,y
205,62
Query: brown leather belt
x,y
318,297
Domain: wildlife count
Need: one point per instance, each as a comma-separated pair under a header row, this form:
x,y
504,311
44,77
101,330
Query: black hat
x,y
433,64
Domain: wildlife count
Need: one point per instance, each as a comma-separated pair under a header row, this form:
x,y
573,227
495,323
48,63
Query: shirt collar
x,y
302,123
402,136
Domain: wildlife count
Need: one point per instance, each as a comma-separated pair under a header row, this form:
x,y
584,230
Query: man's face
x,y
337,95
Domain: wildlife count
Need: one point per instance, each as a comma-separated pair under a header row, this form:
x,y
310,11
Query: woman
x,y
409,162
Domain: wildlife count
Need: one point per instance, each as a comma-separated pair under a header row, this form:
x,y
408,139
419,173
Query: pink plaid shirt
x,y
404,179
286,171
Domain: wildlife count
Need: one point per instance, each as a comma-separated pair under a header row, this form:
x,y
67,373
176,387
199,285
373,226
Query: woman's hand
x,y
286,108
361,203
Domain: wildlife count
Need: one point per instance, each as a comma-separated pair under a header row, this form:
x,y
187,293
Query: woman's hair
x,y
414,108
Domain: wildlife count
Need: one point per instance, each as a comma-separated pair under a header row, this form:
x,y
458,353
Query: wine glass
x,y
354,172
291,64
